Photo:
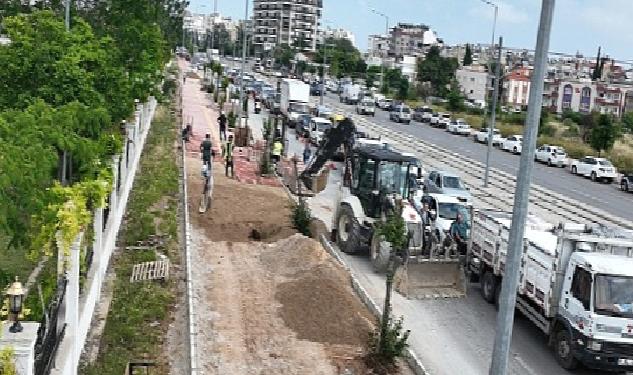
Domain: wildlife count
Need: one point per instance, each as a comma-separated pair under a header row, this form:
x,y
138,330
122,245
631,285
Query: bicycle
x,y
207,189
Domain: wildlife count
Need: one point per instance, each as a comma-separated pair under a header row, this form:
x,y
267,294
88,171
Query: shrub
x,y
395,231
623,162
508,130
393,345
301,217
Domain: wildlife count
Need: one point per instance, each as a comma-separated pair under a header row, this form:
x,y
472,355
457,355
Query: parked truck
x,y
295,99
576,285
350,93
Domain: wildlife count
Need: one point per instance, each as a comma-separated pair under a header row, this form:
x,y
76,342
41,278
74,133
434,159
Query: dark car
x,y
316,89
303,124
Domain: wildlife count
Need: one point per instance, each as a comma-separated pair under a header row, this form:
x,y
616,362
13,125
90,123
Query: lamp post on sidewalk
x,y
507,298
491,124
382,62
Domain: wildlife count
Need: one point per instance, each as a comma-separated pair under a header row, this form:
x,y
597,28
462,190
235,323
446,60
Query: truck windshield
x,y
299,107
614,295
452,182
393,178
449,211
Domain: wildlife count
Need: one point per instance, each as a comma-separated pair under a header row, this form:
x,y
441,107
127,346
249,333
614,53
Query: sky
x,y
579,25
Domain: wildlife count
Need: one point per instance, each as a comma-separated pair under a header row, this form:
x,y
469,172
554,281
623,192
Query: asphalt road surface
x,y
607,197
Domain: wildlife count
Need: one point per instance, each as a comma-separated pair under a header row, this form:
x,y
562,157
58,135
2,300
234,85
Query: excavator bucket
x,y
430,279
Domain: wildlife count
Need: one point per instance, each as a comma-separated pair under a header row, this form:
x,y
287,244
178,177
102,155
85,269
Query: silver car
x,y
442,182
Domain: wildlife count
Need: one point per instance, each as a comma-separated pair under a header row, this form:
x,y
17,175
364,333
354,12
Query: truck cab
x,y
596,312
318,126
366,107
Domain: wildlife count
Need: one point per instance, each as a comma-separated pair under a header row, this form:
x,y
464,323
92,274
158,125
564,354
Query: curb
x,y
412,360
191,316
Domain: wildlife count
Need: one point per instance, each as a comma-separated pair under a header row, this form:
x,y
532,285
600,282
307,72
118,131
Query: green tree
x,y
455,98
371,75
344,59
437,70
627,121
468,56
604,134
403,89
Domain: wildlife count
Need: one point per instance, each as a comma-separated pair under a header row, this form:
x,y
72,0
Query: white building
x,y
286,22
411,40
472,82
517,87
408,67
378,45
340,34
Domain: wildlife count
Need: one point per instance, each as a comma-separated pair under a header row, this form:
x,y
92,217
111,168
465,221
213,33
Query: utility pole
x,y
492,48
64,173
67,18
382,62
215,11
493,113
507,299
242,98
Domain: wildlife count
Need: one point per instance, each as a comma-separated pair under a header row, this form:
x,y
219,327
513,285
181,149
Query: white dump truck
x,y
576,285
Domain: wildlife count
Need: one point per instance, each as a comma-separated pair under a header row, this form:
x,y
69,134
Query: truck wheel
x,y
379,254
347,237
563,350
594,177
488,287
515,151
549,162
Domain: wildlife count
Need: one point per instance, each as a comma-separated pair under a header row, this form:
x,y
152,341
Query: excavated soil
x,y
240,212
277,306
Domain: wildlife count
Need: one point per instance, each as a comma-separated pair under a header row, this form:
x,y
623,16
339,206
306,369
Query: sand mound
x,y
293,254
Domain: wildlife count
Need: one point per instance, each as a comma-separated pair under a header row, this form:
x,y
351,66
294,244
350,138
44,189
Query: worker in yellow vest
x,y
227,154
277,149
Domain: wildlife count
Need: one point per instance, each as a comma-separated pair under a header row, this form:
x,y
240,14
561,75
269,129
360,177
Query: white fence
x,y
80,307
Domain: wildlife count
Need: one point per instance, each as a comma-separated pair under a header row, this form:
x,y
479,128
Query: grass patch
x,y
140,312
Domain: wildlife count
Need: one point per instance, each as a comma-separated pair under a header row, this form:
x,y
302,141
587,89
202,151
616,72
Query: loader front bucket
x,y
430,279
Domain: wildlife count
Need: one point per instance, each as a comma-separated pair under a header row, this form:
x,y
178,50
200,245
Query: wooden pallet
x,y
156,270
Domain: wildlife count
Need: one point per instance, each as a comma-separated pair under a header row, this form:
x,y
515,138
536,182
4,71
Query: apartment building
x,y
585,96
279,22
517,87
411,40
339,33
472,82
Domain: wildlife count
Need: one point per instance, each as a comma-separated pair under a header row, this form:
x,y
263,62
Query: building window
x,y
567,94
585,99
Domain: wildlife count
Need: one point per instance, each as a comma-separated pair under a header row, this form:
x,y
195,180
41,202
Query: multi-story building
x,y
585,96
378,46
293,23
339,34
472,82
412,40
516,88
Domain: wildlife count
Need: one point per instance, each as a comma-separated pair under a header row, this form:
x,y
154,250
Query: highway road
x,y
607,197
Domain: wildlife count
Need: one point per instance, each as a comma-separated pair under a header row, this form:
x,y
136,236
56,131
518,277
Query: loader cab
x,y
379,176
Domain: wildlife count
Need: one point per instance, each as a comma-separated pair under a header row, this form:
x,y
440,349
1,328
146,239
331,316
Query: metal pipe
x,y
507,299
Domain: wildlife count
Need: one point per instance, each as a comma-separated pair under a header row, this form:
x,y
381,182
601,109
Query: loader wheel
x,y
347,237
488,287
563,350
379,254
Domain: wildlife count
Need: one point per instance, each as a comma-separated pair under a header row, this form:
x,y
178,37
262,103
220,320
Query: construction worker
x,y
227,154
206,149
459,231
277,149
222,123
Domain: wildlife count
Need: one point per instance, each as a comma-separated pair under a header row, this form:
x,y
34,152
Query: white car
x,y
318,126
596,168
444,120
401,113
482,136
435,118
459,127
552,155
366,107
513,144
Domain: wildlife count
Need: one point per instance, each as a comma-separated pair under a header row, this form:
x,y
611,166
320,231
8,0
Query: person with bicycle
x,y
206,148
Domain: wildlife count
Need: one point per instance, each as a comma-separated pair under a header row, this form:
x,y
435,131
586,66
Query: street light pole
x,y
382,62
215,11
507,298
242,112
67,18
323,70
492,54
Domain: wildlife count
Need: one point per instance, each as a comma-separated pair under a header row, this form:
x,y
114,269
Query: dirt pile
x,y
240,212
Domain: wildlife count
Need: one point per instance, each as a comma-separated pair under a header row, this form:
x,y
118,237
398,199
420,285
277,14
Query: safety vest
x,y
277,147
228,151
